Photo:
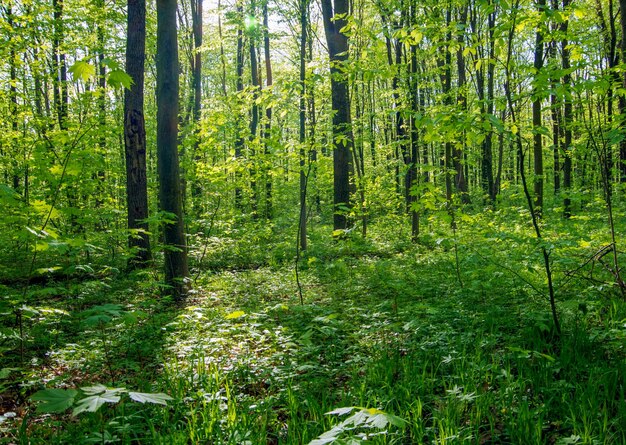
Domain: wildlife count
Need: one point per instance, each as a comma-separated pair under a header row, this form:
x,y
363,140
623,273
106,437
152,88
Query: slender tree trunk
x,y
493,189
268,114
13,106
135,136
239,141
444,63
622,99
567,118
222,55
61,96
303,6
555,112
459,153
343,143
414,155
176,269
536,106
254,119
196,20
102,117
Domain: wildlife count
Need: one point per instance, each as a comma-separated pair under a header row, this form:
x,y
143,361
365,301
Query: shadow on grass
x,y
79,333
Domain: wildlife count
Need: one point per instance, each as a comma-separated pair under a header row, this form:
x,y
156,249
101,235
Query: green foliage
x,y
363,419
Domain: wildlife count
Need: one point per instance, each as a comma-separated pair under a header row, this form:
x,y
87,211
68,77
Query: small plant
x,y
90,398
364,424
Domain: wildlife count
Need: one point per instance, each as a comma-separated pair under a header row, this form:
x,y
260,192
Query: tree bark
x,y
459,153
176,269
334,21
303,6
567,118
135,136
268,114
239,141
536,106
622,100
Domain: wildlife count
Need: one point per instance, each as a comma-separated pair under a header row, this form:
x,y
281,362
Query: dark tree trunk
x,y
622,99
334,22
444,63
459,153
268,114
239,141
13,108
414,154
555,111
61,96
567,118
176,269
135,136
536,106
102,117
488,145
303,6
254,118
222,55
196,21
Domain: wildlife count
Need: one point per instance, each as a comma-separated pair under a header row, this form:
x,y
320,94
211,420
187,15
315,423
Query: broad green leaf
x,y
157,398
92,403
341,411
99,389
236,314
119,78
82,70
54,400
111,64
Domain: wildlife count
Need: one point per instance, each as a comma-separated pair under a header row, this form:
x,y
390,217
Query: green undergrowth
x,y
448,341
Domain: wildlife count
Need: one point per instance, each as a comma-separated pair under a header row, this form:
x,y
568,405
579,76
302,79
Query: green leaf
x,y
6,372
92,403
54,400
341,411
92,390
82,70
118,78
110,63
157,398
236,314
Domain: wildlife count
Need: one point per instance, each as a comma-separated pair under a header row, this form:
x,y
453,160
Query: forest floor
x,y
449,341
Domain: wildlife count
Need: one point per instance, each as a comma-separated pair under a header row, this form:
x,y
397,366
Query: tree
x,y
537,138
176,269
335,19
135,136
303,9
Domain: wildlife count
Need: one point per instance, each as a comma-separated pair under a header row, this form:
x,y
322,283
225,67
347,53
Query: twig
x,y
206,243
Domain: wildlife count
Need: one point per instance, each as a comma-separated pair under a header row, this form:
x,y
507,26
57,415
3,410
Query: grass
x,y
385,326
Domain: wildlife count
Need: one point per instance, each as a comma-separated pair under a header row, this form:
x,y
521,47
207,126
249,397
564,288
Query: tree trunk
x,y
343,140
61,96
414,154
176,269
303,6
135,136
239,142
536,106
102,117
459,153
567,118
622,100
268,114
254,120
444,64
